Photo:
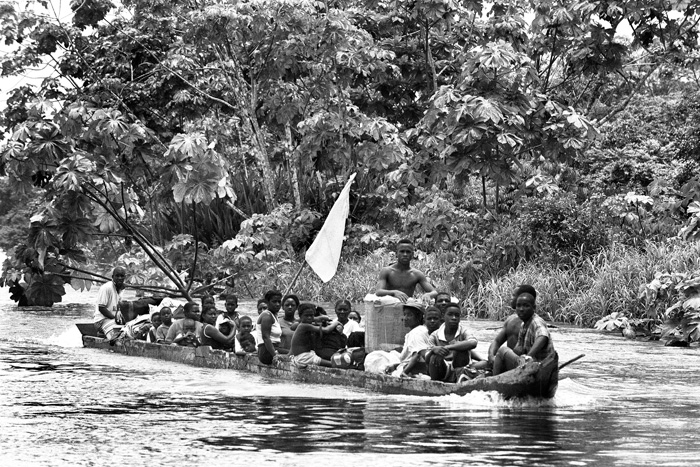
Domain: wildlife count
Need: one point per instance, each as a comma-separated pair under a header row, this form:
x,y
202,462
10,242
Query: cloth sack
x,y
379,360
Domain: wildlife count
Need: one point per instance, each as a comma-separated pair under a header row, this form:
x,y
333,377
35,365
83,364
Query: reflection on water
x,y
373,426
63,404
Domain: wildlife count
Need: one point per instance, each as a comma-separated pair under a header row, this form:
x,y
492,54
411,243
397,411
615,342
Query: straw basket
x,y
384,328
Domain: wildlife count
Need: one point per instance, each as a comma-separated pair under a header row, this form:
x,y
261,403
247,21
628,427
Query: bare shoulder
x,y
306,328
512,322
266,317
418,273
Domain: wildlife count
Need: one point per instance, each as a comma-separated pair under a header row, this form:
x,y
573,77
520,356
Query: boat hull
x,y
532,379
88,329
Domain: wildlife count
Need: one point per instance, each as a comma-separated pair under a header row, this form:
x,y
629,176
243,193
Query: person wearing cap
x,y
449,347
399,280
107,308
415,340
417,337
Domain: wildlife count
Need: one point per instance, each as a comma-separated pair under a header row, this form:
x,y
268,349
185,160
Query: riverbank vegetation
x,y
556,145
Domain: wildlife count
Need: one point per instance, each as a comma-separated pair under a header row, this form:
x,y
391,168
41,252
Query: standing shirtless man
x,y
400,279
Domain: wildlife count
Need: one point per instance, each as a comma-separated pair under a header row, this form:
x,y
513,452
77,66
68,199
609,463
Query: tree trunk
x,y
268,182
496,207
429,57
293,160
245,95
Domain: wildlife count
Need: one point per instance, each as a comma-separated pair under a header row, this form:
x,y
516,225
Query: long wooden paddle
x,y
569,362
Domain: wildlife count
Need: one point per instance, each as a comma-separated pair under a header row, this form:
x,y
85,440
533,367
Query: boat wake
x,y
68,338
569,394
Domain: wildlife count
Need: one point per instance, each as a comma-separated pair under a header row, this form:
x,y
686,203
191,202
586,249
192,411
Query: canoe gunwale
x,y
522,381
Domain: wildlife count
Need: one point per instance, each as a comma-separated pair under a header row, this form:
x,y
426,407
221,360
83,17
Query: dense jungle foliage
x,y
551,142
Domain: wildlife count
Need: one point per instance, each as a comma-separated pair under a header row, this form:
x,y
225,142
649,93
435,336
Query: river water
x,y
626,403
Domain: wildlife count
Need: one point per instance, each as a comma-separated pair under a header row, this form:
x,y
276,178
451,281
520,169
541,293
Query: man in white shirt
x,y
107,307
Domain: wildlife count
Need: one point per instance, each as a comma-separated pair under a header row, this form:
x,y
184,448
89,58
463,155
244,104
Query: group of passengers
x,y
304,331
438,344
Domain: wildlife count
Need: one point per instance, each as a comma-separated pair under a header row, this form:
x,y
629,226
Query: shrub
x,y
435,222
561,228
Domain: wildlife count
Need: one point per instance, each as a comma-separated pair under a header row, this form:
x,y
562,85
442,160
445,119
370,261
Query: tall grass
x,y
608,282
578,294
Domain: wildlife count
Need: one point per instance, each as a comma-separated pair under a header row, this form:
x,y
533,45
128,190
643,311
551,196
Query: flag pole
x,y
296,276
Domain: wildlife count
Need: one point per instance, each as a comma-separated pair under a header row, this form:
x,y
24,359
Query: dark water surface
x,y
625,403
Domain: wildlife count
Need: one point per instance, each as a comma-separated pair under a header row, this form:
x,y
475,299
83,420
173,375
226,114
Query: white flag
x,y
324,253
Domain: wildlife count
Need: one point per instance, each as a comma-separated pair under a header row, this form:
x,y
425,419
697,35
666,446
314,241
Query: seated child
x,y
416,363
357,337
450,347
355,316
207,300
166,316
320,314
245,341
188,336
433,319
305,336
229,315
155,323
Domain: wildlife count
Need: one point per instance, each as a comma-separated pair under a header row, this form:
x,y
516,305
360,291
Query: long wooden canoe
x,y
532,379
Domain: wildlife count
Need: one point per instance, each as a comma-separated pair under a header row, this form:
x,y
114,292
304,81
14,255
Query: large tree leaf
x,y
485,110
70,173
41,236
105,221
183,146
45,290
48,143
73,256
80,284
196,190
